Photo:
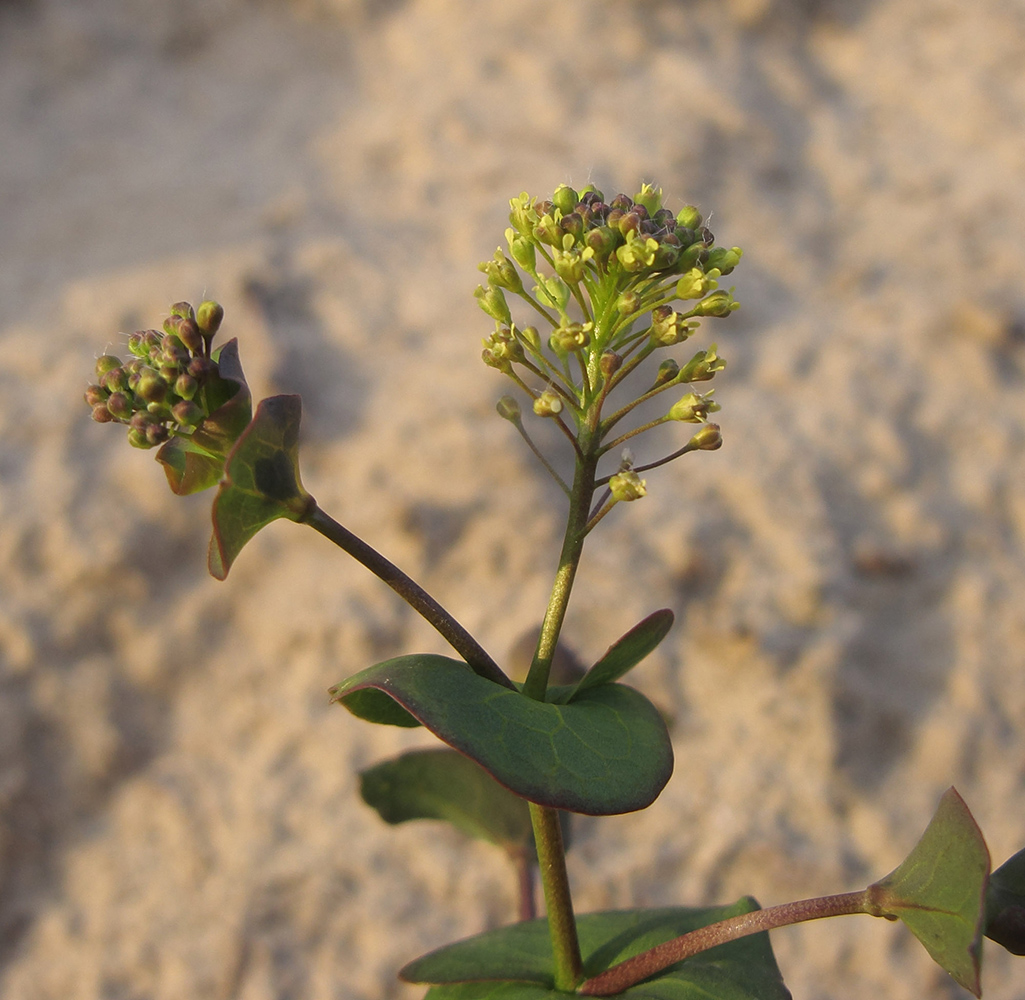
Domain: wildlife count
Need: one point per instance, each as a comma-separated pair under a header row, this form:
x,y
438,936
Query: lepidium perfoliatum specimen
x,y
598,286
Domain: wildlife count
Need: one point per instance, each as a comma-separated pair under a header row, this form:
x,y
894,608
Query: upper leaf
x,y
261,481
939,890
443,784
606,752
516,961
625,653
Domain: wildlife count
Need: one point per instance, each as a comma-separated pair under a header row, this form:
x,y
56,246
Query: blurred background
x,y
179,814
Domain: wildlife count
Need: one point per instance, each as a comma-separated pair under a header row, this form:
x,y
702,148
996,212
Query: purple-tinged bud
x,y
201,368
641,212
709,438
707,236
602,240
572,224
172,349
171,325
187,413
690,217
191,338
157,434
622,202
664,219
628,303
137,344
565,199
612,220
183,310
610,362
141,420
185,386
629,223
666,256
208,318
106,363
101,414
548,404
627,485
119,405
590,194
152,387
115,380
95,395
508,409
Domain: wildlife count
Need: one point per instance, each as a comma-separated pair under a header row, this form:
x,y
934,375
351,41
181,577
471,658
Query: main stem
x,y
547,831
412,593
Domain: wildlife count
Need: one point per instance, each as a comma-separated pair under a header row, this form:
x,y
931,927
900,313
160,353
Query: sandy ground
x,y
178,808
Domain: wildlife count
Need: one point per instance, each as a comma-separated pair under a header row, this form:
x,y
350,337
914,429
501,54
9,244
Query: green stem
x,y
551,856
648,963
412,593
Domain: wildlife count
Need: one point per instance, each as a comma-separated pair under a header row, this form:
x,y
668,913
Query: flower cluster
x,y
160,391
600,277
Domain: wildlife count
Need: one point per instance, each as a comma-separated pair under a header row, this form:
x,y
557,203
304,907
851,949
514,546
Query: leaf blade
x,y
627,651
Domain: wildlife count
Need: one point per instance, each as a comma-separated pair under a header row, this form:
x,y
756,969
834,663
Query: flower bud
x,y
709,438
492,301
106,363
137,439
185,386
621,202
602,240
182,310
492,360
725,260
667,371
693,408
208,318
610,362
152,387
508,409
702,367
570,337
689,217
119,405
101,414
627,485
115,380
157,434
200,368
548,231
590,194
628,303
629,223
187,413
190,337
548,404
553,292
565,199
531,338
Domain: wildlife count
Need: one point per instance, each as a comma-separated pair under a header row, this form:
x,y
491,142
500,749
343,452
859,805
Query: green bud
x,y
602,240
119,405
693,408
725,260
628,303
628,485
694,283
709,438
209,316
689,217
152,387
508,409
565,199
719,303
501,272
96,395
570,337
523,215
183,310
137,344
115,380
522,250
650,197
531,338
548,404
106,363
137,439
492,301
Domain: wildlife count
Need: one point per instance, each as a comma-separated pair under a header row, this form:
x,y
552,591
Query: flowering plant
x,y
604,281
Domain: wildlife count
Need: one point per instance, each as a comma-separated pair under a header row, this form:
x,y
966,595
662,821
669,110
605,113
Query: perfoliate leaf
x,y
261,481
515,962
606,752
625,653
939,891
443,784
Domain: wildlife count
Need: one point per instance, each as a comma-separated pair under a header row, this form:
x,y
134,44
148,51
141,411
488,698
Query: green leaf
x,y
443,784
261,481
606,752
1005,905
515,962
196,463
625,653
939,890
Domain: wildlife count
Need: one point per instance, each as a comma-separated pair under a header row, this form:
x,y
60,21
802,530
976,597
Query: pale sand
x,y
178,807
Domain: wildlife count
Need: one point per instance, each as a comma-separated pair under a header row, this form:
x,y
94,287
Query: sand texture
x,y
179,814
